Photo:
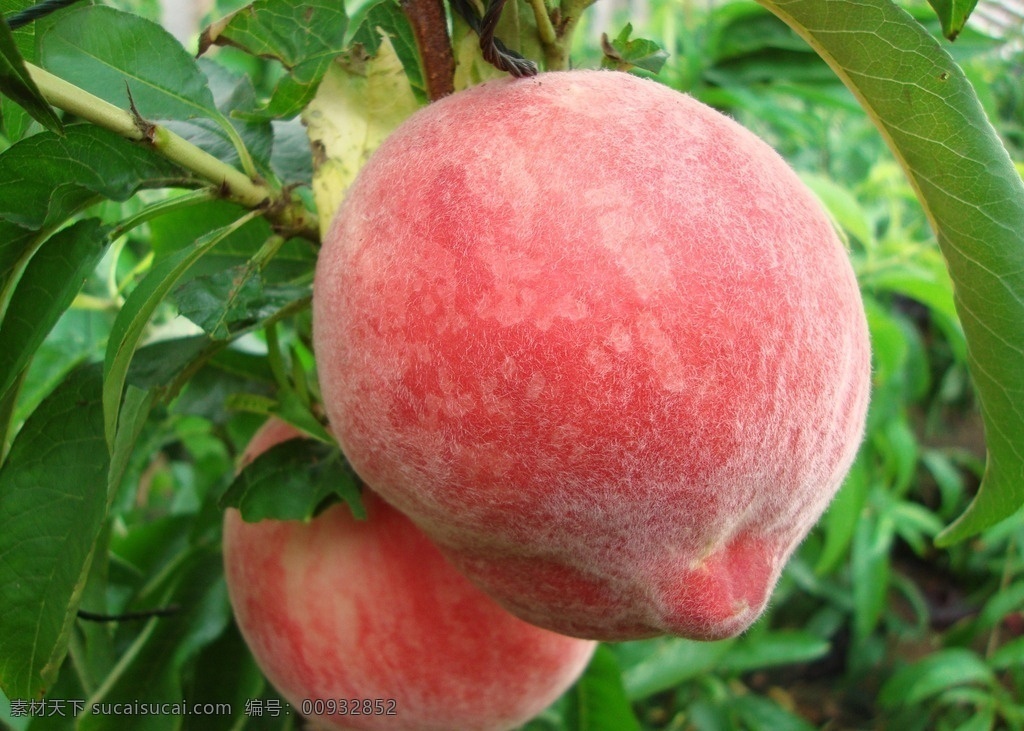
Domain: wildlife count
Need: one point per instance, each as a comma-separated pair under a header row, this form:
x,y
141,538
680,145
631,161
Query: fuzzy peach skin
x,y
340,610
601,344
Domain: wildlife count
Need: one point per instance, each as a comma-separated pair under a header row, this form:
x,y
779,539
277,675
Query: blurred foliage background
x,y
871,627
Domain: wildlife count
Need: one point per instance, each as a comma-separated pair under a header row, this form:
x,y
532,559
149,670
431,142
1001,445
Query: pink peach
x,y
601,344
365,625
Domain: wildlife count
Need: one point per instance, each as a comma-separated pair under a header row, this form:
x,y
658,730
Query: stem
x,y
267,252
430,27
160,208
282,209
129,616
236,184
243,152
556,53
569,18
81,103
274,356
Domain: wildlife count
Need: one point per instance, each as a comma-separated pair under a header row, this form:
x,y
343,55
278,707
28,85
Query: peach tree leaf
x,y
16,84
225,302
128,60
45,178
953,15
109,52
131,321
294,481
653,666
939,671
53,499
156,365
624,53
151,667
930,116
598,701
757,651
385,19
290,31
46,289
16,245
304,37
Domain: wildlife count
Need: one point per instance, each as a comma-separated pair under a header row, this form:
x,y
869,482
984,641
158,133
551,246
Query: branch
x,y
234,185
430,26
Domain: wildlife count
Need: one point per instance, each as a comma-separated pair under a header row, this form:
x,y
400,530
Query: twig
x,y
285,212
129,616
430,26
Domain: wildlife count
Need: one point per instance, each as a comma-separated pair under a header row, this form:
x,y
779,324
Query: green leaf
x,y
130,61
841,518
762,714
234,96
953,15
17,244
16,83
292,481
225,673
937,672
25,35
53,498
290,31
78,337
666,662
1007,600
131,321
1009,655
304,36
844,207
111,53
782,647
151,668
623,53
157,364
598,700
927,111
134,412
869,565
53,277
916,525
224,302
171,231
45,178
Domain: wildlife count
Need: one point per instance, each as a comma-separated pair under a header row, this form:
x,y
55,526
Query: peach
x,y
365,625
601,344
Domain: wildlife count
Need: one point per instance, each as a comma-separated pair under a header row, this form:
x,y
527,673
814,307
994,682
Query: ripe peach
x,y
601,344
365,624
